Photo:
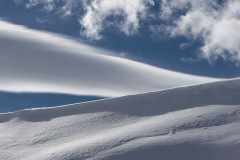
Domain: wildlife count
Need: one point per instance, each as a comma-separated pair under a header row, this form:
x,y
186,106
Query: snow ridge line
x,y
226,92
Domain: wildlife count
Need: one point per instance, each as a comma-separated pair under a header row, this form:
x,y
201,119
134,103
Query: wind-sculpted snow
x,y
200,122
37,61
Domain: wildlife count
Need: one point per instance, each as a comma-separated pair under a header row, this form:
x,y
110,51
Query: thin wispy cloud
x,y
36,61
48,5
184,45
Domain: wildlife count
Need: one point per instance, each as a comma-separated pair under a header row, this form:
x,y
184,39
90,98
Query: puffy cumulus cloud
x,y
128,14
36,61
223,41
216,23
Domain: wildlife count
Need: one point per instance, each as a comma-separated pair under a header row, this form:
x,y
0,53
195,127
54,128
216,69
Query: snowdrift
x,y
200,122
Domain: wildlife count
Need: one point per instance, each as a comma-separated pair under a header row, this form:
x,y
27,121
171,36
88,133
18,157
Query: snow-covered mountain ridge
x,y
194,122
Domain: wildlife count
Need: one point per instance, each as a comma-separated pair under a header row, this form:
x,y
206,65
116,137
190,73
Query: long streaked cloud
x,y
36,61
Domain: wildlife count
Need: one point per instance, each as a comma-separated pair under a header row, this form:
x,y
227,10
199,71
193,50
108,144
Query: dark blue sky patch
x,y
17,101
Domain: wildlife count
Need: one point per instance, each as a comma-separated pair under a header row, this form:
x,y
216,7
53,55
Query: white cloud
x,y
128,15
215,24
35,61
184,45
223,40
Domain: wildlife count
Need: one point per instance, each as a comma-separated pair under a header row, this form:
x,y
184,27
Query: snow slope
x,y
200,122
37,61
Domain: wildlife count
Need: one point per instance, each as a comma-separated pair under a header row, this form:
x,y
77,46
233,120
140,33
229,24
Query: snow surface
x,y
37,61
200,122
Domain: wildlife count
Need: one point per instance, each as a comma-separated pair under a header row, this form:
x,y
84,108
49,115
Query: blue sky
x,y
194,37
15,101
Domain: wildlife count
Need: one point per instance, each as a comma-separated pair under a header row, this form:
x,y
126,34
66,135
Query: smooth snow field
x,y
200,122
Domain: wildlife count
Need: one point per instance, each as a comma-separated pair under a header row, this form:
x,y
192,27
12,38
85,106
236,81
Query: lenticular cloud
x,y
36,61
